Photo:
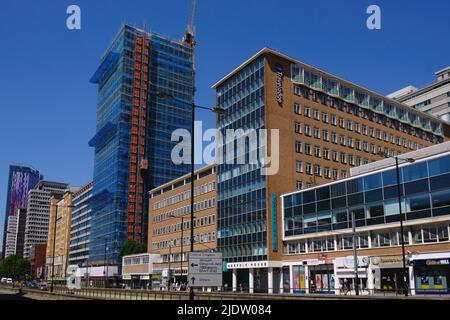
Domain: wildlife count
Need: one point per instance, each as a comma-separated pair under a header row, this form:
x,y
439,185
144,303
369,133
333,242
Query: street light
x,y
182,241
54,241
193,106
405,270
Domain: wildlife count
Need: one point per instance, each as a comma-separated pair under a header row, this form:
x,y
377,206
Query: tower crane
x,y
189,36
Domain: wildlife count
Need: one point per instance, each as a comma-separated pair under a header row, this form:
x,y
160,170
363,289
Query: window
x,y
372,148
299,166
335,156
298,127
326,136
341,123
299,185
342,140
364,130
298,147
324,117
335,174
366,146
371,132
308,150
333,120
357,127
326,154
343,158
327,172
349,125
308,168
350,142
317,170
308,130
358,144
351,159
316,114
334,137
317,151
378,134
307,111
297,108
343,174
317,133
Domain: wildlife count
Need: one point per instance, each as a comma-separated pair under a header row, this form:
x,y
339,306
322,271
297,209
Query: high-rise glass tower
x,y
21,180
134,127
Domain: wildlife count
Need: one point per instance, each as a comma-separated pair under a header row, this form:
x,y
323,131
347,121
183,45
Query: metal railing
x,y
229,294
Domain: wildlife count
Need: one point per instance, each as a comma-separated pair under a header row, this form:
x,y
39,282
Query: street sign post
x,y
205,269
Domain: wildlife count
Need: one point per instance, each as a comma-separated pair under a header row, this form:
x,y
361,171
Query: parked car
x,y
9,281
43,287
3,280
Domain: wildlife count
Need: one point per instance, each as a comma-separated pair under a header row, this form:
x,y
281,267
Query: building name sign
x,y
279,70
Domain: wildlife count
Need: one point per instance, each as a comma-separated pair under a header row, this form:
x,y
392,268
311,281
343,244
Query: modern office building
x,y
433,99
11,236
80,226
326,125
317,227
134,127
16,233
38,213
21,180
58,241
170,221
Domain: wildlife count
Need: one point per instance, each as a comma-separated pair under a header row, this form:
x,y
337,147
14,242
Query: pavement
x,y
8,295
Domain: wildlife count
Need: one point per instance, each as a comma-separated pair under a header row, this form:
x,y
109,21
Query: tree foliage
x,y
15,267
133,247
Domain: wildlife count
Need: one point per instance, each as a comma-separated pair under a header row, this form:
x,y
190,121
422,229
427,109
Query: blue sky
x,y
47,105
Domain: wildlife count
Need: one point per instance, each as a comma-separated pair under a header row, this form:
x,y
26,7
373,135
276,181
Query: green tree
x,y
15,267
133,247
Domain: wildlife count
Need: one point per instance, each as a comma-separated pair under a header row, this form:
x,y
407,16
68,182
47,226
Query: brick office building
x,y
169,218
327,125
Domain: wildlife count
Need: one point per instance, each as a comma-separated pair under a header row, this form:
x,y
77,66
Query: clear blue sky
x,y
47,105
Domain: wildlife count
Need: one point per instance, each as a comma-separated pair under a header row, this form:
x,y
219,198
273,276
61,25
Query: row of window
x,y
198,206
208,187
359,103
198,238
198,222
429,234
341,139
136,260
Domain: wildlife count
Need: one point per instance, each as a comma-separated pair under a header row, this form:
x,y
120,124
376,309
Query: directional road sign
x,y
205,269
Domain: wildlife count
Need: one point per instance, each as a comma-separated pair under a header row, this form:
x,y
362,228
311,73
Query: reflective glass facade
x,y
373,198
242,203
133,140
21,180
80,227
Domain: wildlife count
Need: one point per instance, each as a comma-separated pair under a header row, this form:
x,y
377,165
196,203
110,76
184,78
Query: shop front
x,y
321,278
346,277
432,276
389,274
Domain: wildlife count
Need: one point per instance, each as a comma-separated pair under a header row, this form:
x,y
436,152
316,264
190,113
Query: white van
x,y
9,281
3,280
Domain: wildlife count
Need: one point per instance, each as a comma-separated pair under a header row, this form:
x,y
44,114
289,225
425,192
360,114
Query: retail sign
x,y
280,74
205,269
431,262
378,261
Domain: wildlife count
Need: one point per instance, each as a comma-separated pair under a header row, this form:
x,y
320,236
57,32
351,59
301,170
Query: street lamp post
x,y
405,270
355,256
399,197
193,106
54,242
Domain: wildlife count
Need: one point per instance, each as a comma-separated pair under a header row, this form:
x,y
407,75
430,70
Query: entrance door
x,y
392,280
